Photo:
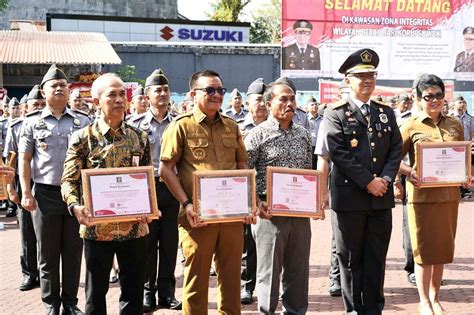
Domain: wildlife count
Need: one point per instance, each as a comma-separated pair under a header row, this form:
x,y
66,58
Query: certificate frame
x,y
148,193
228,176
281,210
434,182
3,180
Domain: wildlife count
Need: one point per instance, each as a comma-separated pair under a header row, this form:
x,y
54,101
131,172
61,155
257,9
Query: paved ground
x,y
401,298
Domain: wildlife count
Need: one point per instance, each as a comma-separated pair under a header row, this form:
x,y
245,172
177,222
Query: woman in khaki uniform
x,y
432,212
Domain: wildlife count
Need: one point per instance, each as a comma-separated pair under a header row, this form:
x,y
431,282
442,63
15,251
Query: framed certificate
x,y
119,194
294,192
3,180
224,196
443,163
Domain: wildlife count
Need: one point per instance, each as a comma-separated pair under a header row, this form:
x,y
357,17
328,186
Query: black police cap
x,y
302,24
256,87
460,98
363,60
286,81
54,73
311,99
35,93
156,78
13,102
138,91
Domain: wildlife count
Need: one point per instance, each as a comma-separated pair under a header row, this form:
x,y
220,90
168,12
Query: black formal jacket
x,y
361,151
293,59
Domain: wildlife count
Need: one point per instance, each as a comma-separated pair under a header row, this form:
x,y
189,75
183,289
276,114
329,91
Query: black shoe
x,y
149,303
411,278
10,213
29,283
246,297
335,288
170,302
52,310
71,310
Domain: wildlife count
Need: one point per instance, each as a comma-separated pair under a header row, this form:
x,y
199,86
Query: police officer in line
x,y
465,59
236,111
23,105
28,258
162,242
314,119
139,103
42,151
364,144
301,55
300,117
258,113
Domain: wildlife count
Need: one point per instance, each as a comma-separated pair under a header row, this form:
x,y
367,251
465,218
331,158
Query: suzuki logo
x,y
167,33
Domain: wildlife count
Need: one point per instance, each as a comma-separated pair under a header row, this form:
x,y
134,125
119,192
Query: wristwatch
x,y
388,179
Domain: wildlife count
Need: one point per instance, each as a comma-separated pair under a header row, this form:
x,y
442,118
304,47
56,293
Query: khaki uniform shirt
x,y
98,146
421,128
195,144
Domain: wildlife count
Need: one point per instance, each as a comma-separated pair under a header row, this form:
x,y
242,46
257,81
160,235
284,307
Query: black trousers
x,y
59,245
314,158
162,246
334,271
407,249
362,239
29,254
249,261
99,257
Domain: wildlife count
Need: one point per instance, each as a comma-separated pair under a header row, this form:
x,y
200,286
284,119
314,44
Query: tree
x,y
228,10
3,5
266,25
129,74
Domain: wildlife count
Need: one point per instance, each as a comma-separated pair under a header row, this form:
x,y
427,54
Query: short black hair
x,y
270,90
425,81
205,73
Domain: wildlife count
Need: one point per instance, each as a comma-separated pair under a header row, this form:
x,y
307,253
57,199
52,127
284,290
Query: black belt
x,y
48,187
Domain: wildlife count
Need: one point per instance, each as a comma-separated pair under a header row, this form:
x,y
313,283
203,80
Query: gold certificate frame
x,y
294,192
224,195
120,194
442,164
3,180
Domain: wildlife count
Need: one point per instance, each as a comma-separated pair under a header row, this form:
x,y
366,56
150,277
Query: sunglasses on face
x,y
212,90
431,97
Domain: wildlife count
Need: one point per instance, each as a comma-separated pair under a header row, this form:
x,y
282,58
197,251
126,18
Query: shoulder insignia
x,y
80,112
337,104
301,110
182,116
380,103
33,113
16,121
137,117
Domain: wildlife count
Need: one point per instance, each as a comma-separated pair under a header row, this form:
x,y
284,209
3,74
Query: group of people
x,y
357,140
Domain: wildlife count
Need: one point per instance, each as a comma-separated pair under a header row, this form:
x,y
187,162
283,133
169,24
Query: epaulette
x,y
337,104
137,117
33,113
298,108
15,121
380,103
80,112
183,115
240,120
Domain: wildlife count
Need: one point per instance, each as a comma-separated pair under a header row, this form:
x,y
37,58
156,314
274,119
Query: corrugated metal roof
x,y
17,47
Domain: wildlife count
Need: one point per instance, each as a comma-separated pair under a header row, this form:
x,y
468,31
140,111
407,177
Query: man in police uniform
x,y
258,113
205,140
139,104
28,258
44,141
365,147
236,111
164,232
301,55
465,59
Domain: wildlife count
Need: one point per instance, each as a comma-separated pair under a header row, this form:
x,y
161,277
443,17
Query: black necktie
x,y
302,51
365,111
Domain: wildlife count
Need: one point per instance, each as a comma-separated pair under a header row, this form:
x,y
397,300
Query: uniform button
x,y
345,181
375,175
372,144
374,159
370,129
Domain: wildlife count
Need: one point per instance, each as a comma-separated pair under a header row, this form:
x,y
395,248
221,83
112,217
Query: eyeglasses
x,y
212,90
431,97
364,76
